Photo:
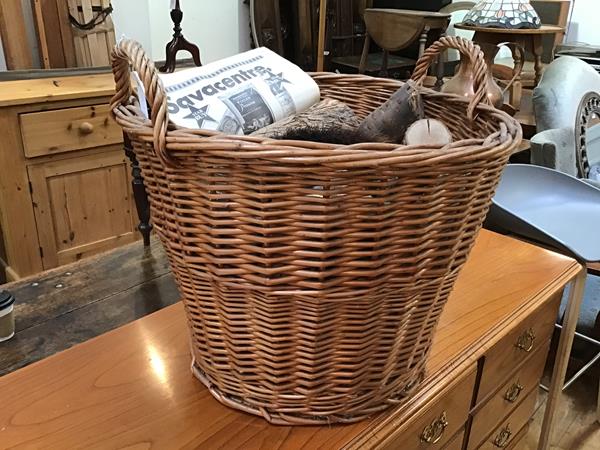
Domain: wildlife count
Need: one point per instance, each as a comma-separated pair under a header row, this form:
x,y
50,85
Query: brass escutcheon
x,y
513,392
434,432
503,437
525,341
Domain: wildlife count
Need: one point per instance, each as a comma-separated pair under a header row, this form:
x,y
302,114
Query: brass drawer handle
x,y
525,341
513,392
503,437
434,432
86,128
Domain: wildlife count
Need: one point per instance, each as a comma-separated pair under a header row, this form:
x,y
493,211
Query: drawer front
x,y
507,433
509,396
64,130
456,442
437,424
516,347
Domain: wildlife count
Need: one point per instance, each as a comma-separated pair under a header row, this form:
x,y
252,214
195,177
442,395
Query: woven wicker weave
x,y
313,275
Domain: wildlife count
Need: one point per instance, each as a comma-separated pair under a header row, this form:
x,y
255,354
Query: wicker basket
x,y
313,275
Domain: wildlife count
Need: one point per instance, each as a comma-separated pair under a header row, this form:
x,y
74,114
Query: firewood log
x,y
389,122
428,132
327,121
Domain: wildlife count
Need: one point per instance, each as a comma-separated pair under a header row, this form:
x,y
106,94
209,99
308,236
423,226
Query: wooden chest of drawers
x,y
65,186
479,392
491,402
511,373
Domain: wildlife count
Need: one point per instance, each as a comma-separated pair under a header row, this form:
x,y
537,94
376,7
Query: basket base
x,y
276,418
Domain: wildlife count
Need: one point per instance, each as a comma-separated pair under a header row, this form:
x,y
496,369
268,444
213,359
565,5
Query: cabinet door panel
x,y
82,206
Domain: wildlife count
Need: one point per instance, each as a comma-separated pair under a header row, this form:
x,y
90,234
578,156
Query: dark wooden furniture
x,y
553,12
525,116
142,205
529,39
290,28
421,5
178,43
132,386
396,29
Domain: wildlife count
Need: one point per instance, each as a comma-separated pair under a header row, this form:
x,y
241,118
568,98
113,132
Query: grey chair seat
x,y
550,207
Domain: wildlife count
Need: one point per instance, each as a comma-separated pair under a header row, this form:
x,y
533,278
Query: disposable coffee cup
x,y
7,316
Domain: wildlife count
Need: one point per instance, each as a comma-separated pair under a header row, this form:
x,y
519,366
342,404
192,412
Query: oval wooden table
x,y
529,39
396,29
132,387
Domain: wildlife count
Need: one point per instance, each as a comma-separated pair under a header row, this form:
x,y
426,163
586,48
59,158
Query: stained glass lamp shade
x,y
503,14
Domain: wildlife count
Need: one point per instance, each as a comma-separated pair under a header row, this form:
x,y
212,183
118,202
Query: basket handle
x,y
130,53
466,48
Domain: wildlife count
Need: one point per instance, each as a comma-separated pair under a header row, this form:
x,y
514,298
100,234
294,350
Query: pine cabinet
x,y
83,204
65,184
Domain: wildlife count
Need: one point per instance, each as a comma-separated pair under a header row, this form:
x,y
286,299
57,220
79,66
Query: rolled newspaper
x,y
239,94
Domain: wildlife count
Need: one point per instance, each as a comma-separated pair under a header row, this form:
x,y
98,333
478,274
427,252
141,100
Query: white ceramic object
x,y
7,320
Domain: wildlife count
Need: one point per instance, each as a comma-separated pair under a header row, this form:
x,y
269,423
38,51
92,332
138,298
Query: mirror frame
x,y
588,108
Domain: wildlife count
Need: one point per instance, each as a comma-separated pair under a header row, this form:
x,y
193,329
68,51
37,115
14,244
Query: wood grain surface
x,y
70,129
81,302
394,29
18,220
132,387
22,92
576,427
71,98
544,29
82,206
13,31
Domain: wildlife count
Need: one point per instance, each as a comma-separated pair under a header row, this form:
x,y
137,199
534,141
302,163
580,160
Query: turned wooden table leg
x,y
516,90
440,67
598,407
423,41
365,54
139,192
383,72
538,50
562,357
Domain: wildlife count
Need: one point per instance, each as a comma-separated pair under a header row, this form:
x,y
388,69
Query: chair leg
x,y
423,40
140,195
441,65
598,407
365,54
562,357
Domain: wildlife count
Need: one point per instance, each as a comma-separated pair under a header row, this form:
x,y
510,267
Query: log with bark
x,y
332,121
428,132
329,121
389,122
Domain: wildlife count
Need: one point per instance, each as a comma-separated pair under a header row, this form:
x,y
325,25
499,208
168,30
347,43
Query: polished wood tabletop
x,y
21,92
544,29
132,387
410,12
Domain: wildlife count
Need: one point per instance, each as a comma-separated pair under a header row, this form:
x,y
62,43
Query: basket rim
x,y
182,141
